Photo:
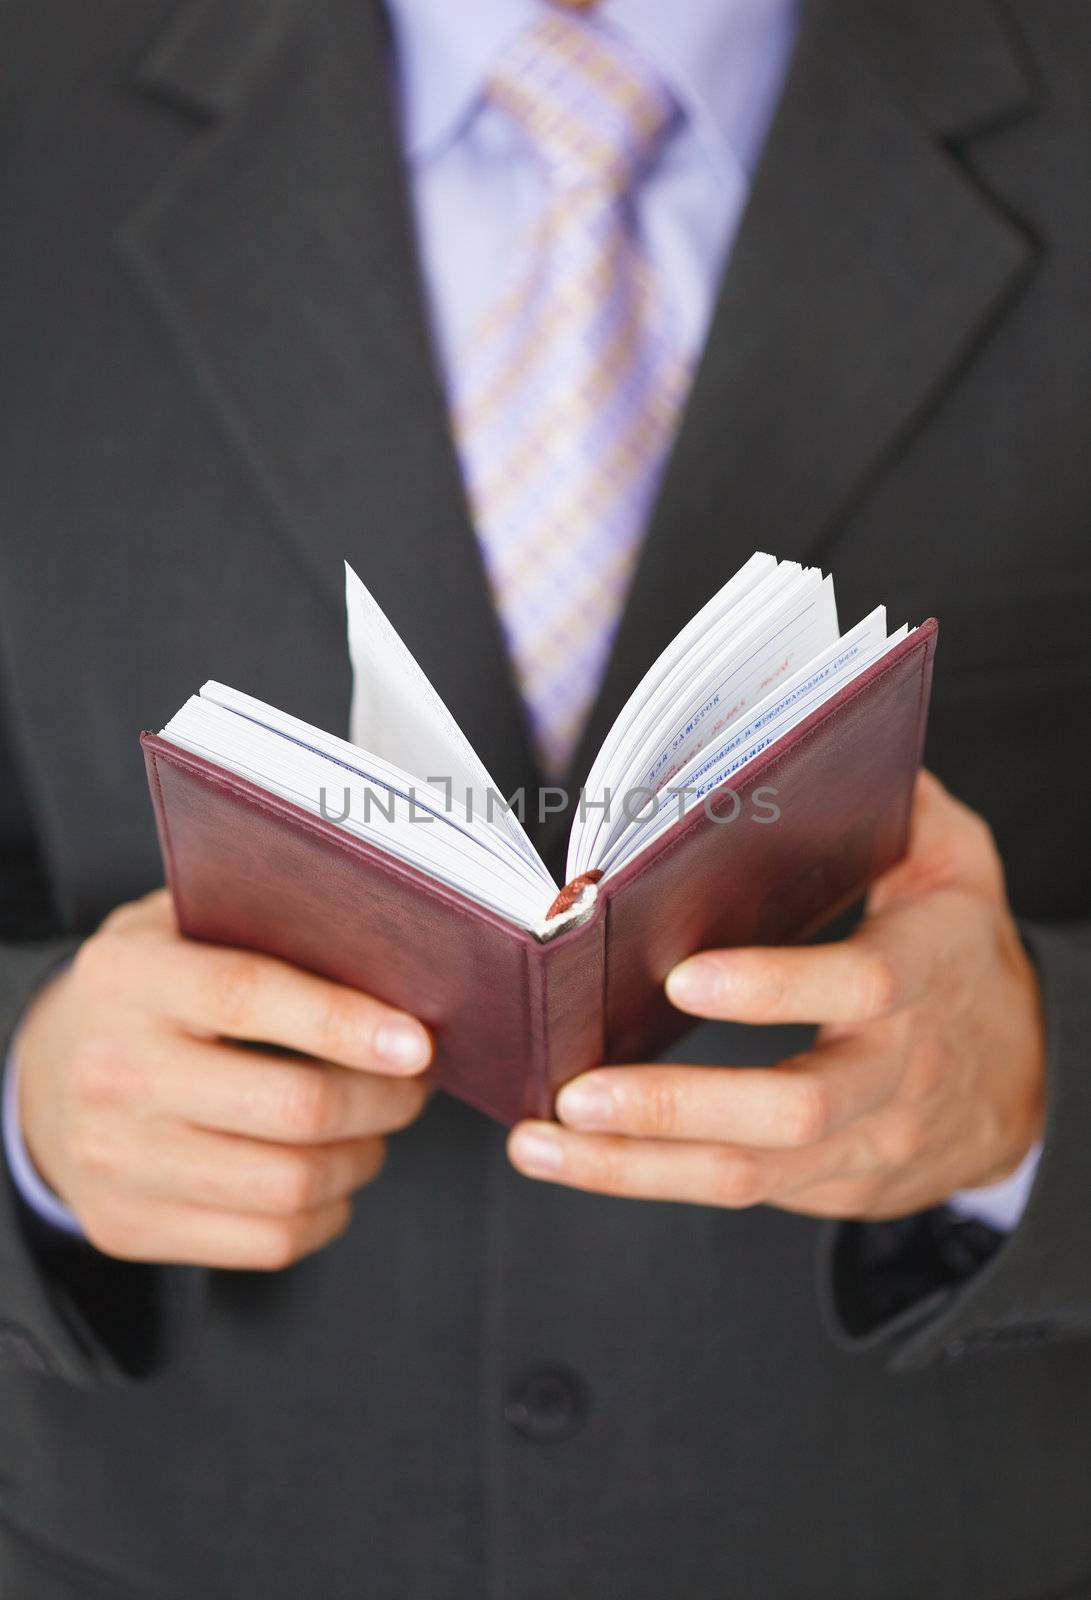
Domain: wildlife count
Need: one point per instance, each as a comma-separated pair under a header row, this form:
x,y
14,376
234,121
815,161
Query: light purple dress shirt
x,y
475,188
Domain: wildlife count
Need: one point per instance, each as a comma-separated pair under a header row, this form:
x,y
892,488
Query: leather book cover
x,y
791,841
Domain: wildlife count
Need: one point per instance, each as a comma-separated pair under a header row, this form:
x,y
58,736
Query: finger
x,y
220,1172
879,970
194,1236
654,1169
241,995
152,914
796,1104
220,1087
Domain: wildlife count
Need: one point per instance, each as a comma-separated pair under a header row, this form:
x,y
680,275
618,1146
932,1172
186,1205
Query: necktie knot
x,y
592,108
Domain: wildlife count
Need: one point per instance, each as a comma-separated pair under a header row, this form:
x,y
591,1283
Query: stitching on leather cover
x,y
926,656
534,986
161,811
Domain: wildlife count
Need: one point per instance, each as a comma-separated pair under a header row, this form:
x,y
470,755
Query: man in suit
x,y
250,262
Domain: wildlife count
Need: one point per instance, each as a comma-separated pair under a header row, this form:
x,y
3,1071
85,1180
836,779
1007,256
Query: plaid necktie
x,y
566,401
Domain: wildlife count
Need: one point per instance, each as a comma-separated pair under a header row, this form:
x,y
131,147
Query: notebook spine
x,y
567,1008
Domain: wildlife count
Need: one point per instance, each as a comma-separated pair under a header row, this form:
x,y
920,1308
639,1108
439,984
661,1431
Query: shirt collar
x,y
715,55
443,53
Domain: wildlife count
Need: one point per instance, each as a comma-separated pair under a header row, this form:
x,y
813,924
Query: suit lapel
x,y
280,252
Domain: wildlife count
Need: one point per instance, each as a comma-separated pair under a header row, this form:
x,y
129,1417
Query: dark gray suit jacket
x,y
214,385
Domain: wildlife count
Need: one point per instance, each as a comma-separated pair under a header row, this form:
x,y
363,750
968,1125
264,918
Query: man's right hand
x,y
173,1144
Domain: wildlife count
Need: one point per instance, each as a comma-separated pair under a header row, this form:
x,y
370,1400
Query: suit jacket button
x,y
547,1404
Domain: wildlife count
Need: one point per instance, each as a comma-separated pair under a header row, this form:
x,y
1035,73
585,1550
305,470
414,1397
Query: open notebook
x,y
757,779
749,667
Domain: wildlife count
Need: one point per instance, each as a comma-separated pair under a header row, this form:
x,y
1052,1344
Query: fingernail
x,y
403,1044
693,983
588,1103
536,1151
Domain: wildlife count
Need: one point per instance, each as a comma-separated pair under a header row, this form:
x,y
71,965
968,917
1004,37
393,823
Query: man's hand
x,y
173,1144
927,1074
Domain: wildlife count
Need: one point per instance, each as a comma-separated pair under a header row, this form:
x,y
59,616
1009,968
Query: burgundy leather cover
x,y
513,1017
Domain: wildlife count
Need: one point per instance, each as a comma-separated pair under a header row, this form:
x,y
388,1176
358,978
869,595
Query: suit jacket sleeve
x,y
65,1309
984,1291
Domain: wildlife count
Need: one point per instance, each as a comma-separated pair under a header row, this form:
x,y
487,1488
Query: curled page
x,y
397,714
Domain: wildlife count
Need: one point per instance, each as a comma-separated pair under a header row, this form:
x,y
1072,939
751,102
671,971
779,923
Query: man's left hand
x,y
927,1074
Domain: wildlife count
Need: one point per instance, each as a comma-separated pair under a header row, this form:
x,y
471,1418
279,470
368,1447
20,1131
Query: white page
x,y
777,639
801,623
660,689
753,733
448,808
446,852
398,715
713,614
776,714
